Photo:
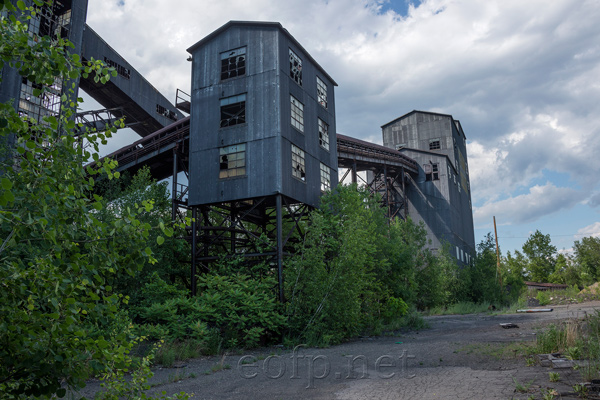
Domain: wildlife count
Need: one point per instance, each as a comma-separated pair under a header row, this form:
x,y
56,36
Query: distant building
x,y
262,117
441,194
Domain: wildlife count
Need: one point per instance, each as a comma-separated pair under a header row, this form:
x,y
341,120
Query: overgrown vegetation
x,y
98,285
576,339
61,321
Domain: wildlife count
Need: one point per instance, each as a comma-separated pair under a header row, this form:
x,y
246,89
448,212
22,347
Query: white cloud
x,y
541,200
521,76
590,230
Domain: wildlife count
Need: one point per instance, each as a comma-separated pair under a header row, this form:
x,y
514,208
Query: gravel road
x,y
458,357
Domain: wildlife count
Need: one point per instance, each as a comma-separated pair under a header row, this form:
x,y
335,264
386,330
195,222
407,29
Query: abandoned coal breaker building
x,y
259,145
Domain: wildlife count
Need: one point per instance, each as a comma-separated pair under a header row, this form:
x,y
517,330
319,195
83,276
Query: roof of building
x,y
547,285
456,122
277,25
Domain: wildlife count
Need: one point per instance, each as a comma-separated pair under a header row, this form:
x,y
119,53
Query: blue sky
x,y
521,76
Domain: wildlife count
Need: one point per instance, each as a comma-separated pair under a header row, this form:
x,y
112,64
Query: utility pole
x,y
498,275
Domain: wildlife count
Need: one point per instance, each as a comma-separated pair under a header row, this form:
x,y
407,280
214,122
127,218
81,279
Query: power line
x,y
573,234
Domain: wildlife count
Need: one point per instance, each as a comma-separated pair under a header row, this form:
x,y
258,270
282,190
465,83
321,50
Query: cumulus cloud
x,y
541,200
590,230
521,76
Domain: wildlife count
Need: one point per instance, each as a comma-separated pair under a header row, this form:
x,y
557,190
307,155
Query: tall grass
x,y
170,352
577,339
460,308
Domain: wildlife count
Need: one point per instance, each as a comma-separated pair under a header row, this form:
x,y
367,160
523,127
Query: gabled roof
x,y
260,24
413,112
456,122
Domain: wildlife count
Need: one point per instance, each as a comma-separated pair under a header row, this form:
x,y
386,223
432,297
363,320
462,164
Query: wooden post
x,y
498,275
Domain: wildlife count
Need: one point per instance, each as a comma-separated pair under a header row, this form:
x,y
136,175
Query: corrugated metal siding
x,y
268,132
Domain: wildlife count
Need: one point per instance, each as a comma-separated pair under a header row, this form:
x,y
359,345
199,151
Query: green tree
x,y
125,193
57,256
541,256
566,272
331,283
485,282
587,255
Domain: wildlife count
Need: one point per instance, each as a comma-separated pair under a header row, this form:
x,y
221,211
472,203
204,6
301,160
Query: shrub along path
x,y
459,357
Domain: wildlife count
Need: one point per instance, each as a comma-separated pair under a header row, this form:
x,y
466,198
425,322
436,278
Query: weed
x,y
176,377
554,376
178,351
461,308
413,321
543,297
248,360
220,366
521,388
549,394
581,390
499,351
530,362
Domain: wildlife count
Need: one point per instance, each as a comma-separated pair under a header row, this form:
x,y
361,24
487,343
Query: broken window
x,y
232,161
233,63
323,134
233,110
434,144
166,113
295,68
321,92
298,166
325,178
297,109
432,172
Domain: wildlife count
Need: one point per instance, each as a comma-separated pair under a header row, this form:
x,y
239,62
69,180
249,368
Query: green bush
x,y
543,297
241,311
394,309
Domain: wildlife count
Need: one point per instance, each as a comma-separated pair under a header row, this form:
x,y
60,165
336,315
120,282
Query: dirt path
x,y
459,357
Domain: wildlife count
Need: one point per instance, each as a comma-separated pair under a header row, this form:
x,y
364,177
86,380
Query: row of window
x,y
233,112
463,256
232,163
297,121
233,64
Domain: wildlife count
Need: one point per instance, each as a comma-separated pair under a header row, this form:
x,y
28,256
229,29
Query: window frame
x,y
432,171
325,173
230,103
228,55
435,144
323,134
322,94
295,67
298,163
296,113
239,169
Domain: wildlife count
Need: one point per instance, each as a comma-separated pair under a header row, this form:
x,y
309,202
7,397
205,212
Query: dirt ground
x,y
458,357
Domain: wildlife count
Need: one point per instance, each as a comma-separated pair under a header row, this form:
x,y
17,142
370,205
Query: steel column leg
x,y
279,246
194,242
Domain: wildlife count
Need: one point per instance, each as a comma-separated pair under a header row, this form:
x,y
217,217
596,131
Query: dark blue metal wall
x,y
267,132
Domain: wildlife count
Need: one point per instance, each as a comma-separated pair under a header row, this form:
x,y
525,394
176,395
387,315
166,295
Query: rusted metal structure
x,y
259,146
388,171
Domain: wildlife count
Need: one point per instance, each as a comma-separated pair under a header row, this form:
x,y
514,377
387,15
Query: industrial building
x,y
259,146
440,195
262,114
